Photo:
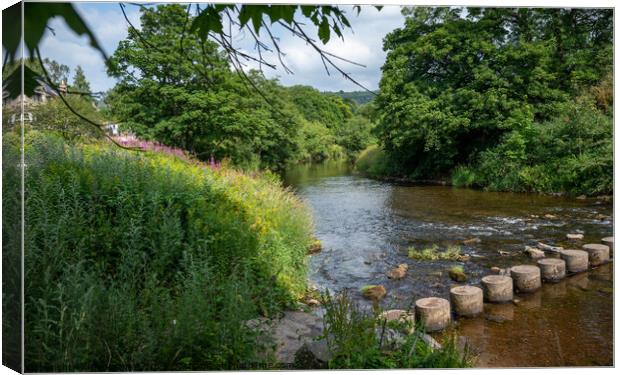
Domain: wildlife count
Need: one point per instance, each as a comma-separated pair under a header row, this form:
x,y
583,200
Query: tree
x,y
456,83
80,84
58,72
188,97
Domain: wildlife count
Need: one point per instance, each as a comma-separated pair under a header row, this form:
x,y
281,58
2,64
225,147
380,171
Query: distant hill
x,y
359,97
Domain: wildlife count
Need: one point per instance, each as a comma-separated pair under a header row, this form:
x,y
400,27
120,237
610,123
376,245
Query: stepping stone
x,y
597,253
609,241
497,288
526,278
576,260
552,269
433,312
467,300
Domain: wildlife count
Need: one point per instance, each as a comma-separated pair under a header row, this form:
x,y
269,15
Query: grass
x,y
358,339
142,261
433,253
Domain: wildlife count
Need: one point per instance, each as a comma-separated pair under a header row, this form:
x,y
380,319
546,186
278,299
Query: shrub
x,y
358,339
373,162
144,261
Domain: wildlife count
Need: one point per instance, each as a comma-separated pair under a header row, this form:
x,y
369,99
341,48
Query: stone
x,y
472,241
291,332
534,253
399,272
550,216
574,236
576,260
312,302
582,197
496,270
433,313
374,292
552,269
497,288
549,248
402,316
467,300
315,247
609,241
457,274
313,355
503,253
526,278
597,253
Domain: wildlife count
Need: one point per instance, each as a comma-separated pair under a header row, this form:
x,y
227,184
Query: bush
x,y
359,340
144,261
573,154
373,162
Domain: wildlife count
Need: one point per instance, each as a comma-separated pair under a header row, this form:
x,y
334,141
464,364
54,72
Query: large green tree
x,y
80,83
179,89
456,81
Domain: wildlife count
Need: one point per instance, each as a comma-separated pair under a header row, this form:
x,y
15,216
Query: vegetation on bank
x,y
501,99
144,261
198,104
361,339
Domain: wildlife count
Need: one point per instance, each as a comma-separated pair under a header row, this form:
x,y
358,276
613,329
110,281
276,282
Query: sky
x,y
362,44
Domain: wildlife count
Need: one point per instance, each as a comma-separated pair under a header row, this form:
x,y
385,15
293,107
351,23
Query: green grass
x,y
358,340
433,253
143,261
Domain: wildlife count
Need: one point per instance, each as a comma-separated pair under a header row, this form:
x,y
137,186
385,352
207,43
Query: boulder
x,y
457,274
374,292
399,272
471,241
496,270
550,216
315,247
313,355
574,236
534,253
549,248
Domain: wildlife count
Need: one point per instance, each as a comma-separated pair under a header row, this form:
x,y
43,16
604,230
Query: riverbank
x,y
151,261
374,163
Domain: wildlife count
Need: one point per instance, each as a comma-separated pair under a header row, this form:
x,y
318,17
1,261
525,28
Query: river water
x,y
366,227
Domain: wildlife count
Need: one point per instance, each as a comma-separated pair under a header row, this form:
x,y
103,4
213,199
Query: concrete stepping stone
x,y
497,288
609,241
467,300
526,278
552,269
576,260
597,253
433,312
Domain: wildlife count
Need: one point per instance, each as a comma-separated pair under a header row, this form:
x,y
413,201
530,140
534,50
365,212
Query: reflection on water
x,y
366,227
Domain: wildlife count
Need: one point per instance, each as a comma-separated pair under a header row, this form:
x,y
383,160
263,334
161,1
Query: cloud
x,y
363,44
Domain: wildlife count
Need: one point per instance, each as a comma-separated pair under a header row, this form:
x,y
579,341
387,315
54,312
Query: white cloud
x,y
363,44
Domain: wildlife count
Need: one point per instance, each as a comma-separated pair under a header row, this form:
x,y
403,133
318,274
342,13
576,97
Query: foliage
x,y
189,98
357,97
572,153
144,261
55,116
359,339
80,84
373,162
433,253
457,83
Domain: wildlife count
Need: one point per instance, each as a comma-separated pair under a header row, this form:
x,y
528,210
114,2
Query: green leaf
x,y
13,84
37,16
11,30
282,12
208,20
307,10
324,30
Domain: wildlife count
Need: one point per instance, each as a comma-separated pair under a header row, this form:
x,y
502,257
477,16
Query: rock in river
x,y
534,253
398,272
574,236
374,292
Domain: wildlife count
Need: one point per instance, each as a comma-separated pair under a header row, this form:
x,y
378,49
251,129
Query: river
x,y
366,227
